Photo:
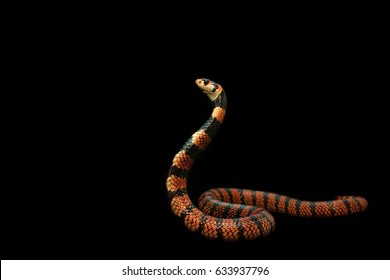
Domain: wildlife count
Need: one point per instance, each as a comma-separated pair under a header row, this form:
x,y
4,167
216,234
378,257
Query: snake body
x,y
235,214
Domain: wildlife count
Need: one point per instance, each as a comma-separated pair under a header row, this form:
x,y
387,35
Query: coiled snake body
x,y
235,214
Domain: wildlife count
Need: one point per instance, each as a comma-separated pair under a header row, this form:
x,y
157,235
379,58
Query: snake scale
x,y
234,214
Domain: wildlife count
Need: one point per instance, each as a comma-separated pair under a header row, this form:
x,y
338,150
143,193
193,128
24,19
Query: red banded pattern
x,y
235,214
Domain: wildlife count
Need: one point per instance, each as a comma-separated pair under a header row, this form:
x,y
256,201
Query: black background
x,y
103,97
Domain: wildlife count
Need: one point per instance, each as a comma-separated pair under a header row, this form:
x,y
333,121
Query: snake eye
x,y
206,82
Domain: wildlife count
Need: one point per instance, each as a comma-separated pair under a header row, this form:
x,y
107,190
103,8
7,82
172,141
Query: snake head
x,y
210,88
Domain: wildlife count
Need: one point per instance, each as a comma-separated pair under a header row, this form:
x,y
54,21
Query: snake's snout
x,y
199,82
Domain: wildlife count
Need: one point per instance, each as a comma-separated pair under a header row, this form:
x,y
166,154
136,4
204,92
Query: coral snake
x,y
235,214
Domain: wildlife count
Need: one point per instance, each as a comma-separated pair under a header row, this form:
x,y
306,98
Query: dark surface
x,y
102,101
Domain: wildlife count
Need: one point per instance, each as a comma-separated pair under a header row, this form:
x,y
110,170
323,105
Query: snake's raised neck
x,y
176,183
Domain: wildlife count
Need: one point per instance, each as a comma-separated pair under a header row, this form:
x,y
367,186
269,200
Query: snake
x,y
233,214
